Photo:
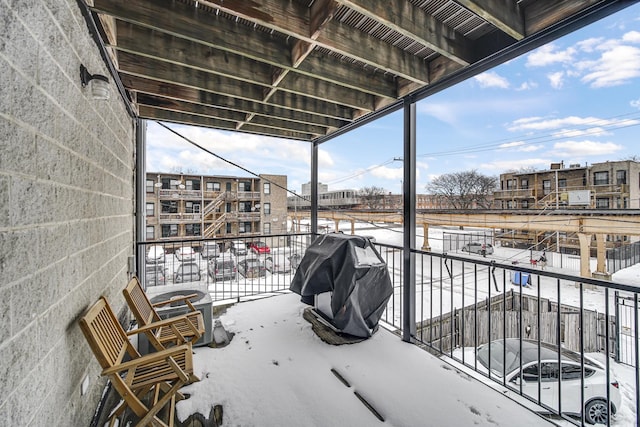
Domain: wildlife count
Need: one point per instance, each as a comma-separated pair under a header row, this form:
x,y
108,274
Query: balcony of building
x,y
462,302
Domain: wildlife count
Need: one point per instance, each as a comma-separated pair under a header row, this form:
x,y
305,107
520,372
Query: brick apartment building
x,y
182,206
606,185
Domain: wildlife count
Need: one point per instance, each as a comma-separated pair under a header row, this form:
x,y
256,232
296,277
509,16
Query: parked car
x,y
210,250
185,253
278,263
187,272
476,248
155,255
222,268
238,247
595,379
259,247
251,268
154,275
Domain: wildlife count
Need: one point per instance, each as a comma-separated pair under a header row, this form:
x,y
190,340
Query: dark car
x,y
222,267
187,272
154,275
251,268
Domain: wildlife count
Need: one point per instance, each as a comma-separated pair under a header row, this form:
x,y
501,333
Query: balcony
x,y
461,303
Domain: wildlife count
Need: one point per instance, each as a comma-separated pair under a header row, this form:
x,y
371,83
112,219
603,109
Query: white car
x,y
155,255
278,263
477,248
544,375
185,253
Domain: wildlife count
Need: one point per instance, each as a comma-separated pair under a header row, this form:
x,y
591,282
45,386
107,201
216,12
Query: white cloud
x,y
446,113
635,103
385,172
631,37
573,133
556,79
520,146
548,55
539,123
491,79
527,86
585,148
615,67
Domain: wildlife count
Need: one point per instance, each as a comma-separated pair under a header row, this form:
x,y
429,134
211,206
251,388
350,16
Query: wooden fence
x,y
502,317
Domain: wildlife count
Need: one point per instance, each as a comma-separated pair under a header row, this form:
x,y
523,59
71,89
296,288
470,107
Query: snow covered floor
x,y
277,372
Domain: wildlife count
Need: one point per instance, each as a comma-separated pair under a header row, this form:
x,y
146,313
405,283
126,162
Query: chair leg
x,y
150,417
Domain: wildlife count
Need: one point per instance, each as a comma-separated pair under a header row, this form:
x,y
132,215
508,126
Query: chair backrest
x,y
105,335
139,303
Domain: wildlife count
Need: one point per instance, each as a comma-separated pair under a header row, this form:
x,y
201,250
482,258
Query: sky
x,y
575,100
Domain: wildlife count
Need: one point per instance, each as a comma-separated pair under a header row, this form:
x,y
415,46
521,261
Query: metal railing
x,y
220,269
464,303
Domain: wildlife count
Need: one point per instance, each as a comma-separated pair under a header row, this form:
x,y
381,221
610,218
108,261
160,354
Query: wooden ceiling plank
x,y
213,31
507,16
289,18
328,114
541,14
166,47
404,18
150,113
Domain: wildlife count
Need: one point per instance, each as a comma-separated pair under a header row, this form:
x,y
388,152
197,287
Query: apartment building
x,y
606,185
182,206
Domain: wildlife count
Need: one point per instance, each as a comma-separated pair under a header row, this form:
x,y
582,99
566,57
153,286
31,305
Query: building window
x,y
546,186
150,233
621,177
149,186
267,188
228,207
228,228
193,184
267,228
244,186
192,207
601,178
192,229
169,230
244,206
150,209
244,227
168,206
228,186
511,184
213,186
511,204
562,183
266,208
524,183
602,203
525,204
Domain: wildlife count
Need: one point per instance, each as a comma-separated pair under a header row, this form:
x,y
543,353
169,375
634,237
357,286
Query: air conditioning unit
x,y
202,303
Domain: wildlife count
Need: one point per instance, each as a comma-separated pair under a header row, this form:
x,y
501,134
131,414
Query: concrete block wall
x,y
66,212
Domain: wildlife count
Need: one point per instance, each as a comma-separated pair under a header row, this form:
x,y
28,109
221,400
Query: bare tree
x,y
464,190
372,197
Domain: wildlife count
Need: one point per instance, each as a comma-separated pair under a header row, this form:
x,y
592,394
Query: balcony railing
x,y
463,303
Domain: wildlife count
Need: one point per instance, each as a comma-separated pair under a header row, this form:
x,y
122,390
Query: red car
x,y
259,247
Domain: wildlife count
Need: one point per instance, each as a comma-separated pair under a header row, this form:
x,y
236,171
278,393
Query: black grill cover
x,y
352,270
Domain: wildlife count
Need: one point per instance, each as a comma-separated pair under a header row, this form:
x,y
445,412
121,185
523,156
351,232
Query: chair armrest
x,y
159,324
149,359
185,298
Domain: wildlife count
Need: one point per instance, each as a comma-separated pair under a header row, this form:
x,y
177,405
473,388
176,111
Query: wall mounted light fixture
x,y
98,84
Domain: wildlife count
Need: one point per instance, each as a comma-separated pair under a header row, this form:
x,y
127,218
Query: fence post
x,y
617,324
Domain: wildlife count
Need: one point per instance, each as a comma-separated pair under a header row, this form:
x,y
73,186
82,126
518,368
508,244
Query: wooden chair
x,y
176,330
161,373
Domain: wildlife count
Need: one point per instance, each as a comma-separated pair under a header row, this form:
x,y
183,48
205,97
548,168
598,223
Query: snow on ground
x,y
277,372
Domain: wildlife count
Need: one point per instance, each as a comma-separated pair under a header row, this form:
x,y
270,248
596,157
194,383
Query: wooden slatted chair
x,y
176,330
147,383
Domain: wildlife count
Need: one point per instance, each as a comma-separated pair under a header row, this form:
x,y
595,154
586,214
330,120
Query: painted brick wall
x,y
66,211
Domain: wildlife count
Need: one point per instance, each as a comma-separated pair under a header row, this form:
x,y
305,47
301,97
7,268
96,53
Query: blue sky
x,y
575,100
